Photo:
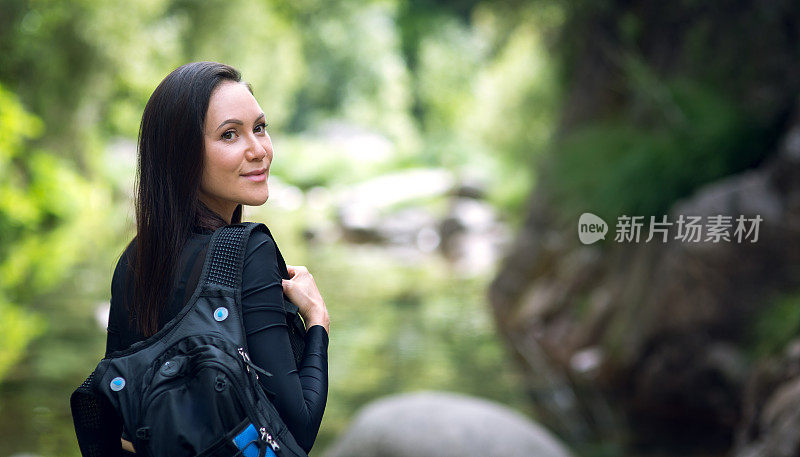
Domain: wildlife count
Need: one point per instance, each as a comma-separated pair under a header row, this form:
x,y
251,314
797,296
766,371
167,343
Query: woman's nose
x,y
256,150
259,152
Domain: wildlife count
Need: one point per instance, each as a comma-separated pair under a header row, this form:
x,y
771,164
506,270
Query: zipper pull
x,y
273,443
241,353
249,363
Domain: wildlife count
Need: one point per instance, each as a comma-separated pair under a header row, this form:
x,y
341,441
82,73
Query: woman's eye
x,y
262,126
229,132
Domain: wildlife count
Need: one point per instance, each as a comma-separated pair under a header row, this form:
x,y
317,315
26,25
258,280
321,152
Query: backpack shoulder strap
x,y
226,251
224,263
225,255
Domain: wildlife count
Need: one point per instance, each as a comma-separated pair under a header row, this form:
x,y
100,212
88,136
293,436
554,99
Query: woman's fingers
x,y
294,270
302,289
127,445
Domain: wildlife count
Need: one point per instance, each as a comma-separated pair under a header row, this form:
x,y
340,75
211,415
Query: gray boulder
x,y
443,424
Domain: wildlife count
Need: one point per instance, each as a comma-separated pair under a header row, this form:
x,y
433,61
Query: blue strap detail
x,y
244,440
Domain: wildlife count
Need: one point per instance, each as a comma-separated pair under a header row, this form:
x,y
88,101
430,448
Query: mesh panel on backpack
x,y
96,422
223,267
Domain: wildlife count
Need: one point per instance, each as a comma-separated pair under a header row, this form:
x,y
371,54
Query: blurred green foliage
x,y
777,324
676,136
40,196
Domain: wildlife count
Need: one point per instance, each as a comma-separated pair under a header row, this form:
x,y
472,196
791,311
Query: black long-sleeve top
x,y
299,393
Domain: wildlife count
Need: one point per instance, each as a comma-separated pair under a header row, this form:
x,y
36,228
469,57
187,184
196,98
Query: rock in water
x,y
443,424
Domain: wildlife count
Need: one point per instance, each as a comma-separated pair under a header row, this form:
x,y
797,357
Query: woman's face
x,y
236,143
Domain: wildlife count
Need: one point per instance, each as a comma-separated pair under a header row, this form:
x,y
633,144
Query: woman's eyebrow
x,y
237,121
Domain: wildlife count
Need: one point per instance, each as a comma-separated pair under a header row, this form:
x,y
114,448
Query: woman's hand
x,y
302,291
127,445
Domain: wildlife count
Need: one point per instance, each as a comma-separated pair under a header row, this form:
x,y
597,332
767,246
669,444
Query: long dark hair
x,y
168,176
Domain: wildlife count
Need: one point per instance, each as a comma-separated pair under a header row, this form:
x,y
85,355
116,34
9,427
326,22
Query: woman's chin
x,y
258,201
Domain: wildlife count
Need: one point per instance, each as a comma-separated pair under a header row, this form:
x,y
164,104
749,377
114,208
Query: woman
x,y
204,151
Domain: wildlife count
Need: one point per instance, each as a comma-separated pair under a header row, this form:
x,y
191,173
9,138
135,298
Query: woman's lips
x,y
256,178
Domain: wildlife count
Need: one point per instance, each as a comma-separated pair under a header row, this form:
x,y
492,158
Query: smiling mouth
x,y
256,172
256,177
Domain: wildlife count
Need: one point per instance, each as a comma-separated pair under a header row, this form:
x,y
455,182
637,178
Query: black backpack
x,y
190,389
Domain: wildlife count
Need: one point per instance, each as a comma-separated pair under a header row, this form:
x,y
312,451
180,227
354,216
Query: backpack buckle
x,y
143,433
